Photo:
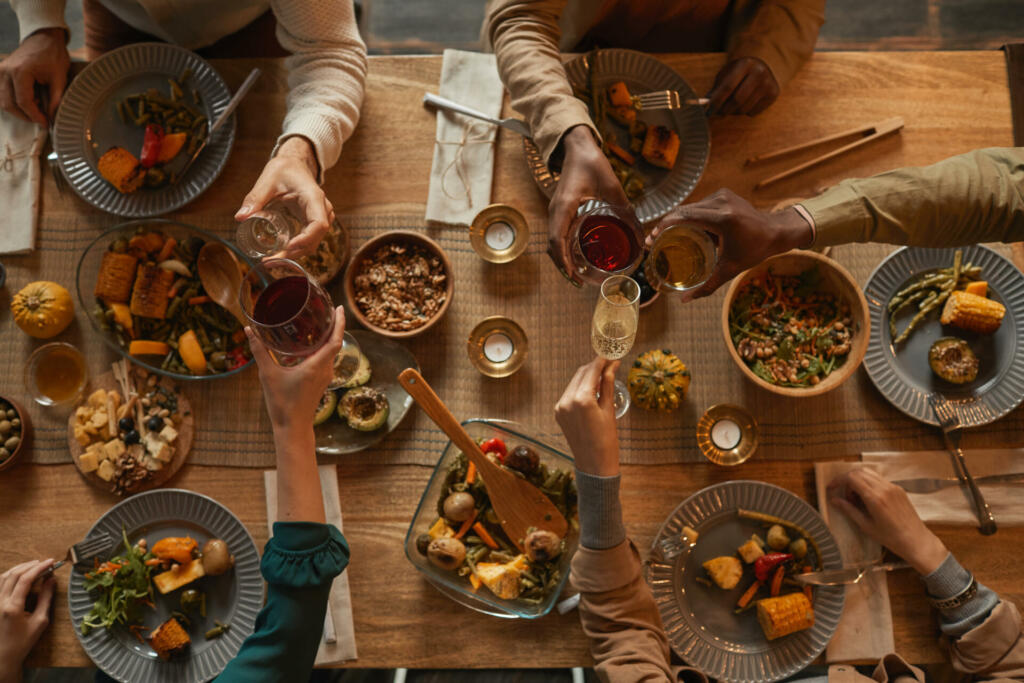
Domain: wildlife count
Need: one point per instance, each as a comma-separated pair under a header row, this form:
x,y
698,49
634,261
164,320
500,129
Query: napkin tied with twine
x,y
463,167
20,145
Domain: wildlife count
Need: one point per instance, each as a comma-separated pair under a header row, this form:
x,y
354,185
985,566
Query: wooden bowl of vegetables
x,y
796,324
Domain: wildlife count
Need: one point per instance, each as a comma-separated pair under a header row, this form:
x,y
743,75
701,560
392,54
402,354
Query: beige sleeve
x,y
994,650
525,38
34,15
326,73
781,33
974,197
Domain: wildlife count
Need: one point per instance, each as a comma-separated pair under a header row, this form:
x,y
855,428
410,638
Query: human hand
x,y
883,511
19,630
743,86
745,236
292,394
588,422
586,173
291,176
41,58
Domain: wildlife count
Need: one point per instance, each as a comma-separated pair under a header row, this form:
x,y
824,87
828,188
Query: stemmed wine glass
x,y
616,318
267,231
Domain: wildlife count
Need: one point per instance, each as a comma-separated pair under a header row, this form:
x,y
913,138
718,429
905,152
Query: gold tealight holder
x,y
727,434
497,346
499,234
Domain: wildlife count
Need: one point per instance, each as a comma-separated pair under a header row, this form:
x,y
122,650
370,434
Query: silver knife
x,y
846,575
233,103
926,485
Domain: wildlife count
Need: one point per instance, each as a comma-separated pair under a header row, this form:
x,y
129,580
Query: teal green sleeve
x,y
299,563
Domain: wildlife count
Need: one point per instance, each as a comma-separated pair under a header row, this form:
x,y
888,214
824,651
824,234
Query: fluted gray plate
x,y
233,598
699,620
87,125
903,375
642,73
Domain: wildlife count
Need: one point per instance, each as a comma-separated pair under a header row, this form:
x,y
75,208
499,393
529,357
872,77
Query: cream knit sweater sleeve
x,y
34,15
326,73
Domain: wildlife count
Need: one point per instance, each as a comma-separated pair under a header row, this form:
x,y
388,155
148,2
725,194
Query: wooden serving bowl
x,y
406,237
26,433
835,279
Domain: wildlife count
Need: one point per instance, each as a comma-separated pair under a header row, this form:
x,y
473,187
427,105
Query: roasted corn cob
x,y
972,312
149,295
117,272
784,615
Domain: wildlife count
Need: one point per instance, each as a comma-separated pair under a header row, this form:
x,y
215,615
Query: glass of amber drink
x,y
56,374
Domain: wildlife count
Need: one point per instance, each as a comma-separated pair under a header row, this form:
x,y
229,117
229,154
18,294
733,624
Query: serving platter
x,y
903,376
233,598
700,621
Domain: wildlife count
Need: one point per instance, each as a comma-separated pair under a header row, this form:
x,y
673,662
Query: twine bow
x,y
482,134
7,164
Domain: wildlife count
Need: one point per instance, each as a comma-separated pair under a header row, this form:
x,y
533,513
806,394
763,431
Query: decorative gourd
x,y
43,309
658,381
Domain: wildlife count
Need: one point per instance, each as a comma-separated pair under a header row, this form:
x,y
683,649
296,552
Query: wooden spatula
x,y
519,504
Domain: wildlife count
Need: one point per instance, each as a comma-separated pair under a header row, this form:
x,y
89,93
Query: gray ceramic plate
x,y
903,375
233,598
387,359
87,125
642,73
699,620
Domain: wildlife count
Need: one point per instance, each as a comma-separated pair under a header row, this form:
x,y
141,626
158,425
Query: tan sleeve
x,y
524,36
35,15
781,33
994,650
974,197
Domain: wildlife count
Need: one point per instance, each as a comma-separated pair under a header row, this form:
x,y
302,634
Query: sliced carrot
x,y
780,572
748,595
471,473
465,525
621,153
201,299
154,561
145,347
484,536
165,251
475,581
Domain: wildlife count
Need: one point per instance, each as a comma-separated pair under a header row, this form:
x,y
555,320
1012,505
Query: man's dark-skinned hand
x,y
41,58
744,235
743,86
586,173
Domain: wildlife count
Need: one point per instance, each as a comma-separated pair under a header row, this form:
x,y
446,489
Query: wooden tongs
x,y
867,133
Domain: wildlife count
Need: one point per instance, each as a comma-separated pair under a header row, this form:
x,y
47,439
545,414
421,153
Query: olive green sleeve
x,y
974,197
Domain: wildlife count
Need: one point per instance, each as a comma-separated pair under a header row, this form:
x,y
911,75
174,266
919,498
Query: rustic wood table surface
x,y
953,102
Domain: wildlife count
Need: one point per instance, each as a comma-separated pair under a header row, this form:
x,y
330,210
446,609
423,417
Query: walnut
x,y
400,287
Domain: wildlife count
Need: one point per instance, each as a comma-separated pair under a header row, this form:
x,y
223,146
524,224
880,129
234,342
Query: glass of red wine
x,y
606,240
290,313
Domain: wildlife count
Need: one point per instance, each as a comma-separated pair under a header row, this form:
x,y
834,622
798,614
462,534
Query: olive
x,y
541,545
155,423
216,559
12,443
5,427
16,423
524,459
11,414
126,424
422,541
131,437
459,506
219,360
4,454
446,553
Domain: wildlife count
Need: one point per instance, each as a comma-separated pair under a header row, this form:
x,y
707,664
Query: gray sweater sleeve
x,y
951,579
600,511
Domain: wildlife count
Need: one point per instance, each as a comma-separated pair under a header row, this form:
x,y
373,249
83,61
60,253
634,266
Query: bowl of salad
x,y
455,540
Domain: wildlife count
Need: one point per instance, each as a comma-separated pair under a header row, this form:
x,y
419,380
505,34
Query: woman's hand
x,y
586,174
291,176
743,86
883,511
293,393
19,630
41,58
588,422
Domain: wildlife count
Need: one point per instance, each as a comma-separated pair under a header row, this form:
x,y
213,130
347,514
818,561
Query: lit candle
x,y
499,235
726,434
498,347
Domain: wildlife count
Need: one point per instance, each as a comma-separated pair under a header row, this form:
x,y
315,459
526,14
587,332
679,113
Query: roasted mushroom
x,y
542,545
778,539
216,559
422,542
523,458
446,553
459,506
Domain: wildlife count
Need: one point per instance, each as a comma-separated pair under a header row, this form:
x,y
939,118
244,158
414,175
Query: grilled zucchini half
x,y
953,360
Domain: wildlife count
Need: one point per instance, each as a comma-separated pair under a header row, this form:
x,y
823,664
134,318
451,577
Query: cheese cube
x,y
157,448
169,434
81,436
87,462
114,448
98,399
99,419
106,470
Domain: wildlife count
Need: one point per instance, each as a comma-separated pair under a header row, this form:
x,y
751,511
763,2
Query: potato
x,y
777,537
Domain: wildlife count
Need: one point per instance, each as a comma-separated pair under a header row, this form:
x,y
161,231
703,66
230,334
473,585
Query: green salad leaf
x,y
123,586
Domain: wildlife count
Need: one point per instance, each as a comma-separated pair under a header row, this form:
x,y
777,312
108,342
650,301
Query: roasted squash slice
x,y
149,296
661,147
114,282
120,168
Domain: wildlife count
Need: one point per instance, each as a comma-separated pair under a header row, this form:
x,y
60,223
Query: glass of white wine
x,y
613,331
682,257
267,231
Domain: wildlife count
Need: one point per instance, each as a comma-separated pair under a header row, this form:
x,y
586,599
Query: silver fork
x,y
514,125
950,424
84,550
666,99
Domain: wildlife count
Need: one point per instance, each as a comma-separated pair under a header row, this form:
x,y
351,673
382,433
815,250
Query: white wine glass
x,y
613,331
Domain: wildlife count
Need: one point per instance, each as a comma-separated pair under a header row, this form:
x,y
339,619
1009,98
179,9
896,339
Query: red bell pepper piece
x,y
151,145
765,565
236,358
496,446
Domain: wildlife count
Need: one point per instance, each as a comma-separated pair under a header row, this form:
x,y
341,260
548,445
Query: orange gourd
x,y
43,309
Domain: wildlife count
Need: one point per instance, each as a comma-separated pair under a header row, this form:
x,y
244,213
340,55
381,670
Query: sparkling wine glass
x,y
613,331
268,230
290,313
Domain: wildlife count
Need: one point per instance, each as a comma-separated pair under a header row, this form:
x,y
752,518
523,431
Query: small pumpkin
x,y
43,309
658,381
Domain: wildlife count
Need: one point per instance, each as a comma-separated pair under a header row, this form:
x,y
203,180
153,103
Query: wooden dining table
x,y
953,102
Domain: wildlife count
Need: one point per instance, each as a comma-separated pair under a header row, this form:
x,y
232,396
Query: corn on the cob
x,y
149,295
784,615
114,282
972,312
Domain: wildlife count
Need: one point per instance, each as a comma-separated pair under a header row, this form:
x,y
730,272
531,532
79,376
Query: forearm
x,y
299,498
781,33
34,15
974,197
950,579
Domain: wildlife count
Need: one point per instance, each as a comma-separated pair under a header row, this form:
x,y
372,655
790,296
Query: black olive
x,y
155,423
126,424
524,459
422,542
131,437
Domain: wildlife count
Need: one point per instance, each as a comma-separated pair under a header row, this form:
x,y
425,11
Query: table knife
x,y
927,485
846,575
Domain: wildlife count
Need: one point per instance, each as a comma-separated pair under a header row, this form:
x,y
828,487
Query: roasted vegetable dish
x,y
789,330
467,539
150,298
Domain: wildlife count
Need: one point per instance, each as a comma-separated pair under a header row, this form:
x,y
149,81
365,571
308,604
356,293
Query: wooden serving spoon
x,y
519,504
221,277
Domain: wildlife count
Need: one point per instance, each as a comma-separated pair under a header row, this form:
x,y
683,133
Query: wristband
x,y
961,598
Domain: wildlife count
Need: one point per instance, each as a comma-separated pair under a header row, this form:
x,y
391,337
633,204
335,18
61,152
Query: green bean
x,y
916,320
213,322
176,93
167,360
906,302
175,305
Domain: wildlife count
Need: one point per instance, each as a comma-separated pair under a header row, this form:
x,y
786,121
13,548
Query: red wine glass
x,y
606,240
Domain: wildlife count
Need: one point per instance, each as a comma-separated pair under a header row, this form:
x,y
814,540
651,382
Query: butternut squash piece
x,y
170,146
145,347
980,288
176,548
123,317
661,147
619,95
192,353
120,168
181,575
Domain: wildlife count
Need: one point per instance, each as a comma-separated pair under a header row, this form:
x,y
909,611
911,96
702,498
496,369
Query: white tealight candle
x,y
498,347
499,235
726,434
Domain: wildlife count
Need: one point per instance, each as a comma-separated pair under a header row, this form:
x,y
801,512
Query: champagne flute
x,y
613,331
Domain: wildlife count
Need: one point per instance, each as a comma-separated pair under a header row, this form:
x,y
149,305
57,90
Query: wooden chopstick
x,y
880,129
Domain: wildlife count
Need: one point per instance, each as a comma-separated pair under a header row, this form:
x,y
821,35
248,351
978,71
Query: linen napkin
x,y
865,630
951,505
463,166
339,605
20,145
